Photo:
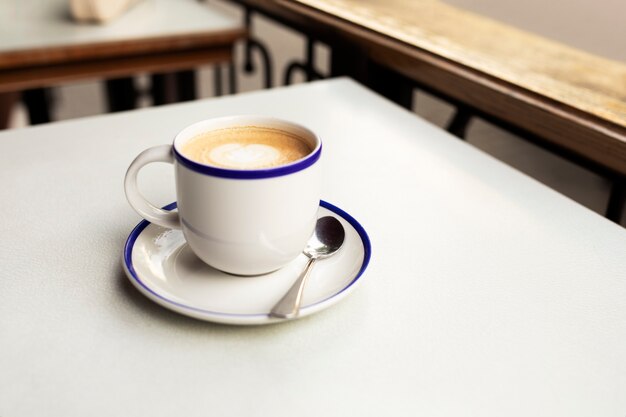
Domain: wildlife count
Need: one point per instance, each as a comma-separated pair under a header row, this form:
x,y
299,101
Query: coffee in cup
x,y
246,147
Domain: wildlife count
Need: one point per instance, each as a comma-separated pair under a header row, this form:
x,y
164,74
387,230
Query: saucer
x,y
161,265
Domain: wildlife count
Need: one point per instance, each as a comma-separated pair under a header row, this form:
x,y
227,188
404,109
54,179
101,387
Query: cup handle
x,y
169,219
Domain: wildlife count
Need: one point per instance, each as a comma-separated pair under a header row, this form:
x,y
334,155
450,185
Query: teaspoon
x,y
326,240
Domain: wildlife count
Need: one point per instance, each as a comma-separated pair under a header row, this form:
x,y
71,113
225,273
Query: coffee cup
x,y
247,187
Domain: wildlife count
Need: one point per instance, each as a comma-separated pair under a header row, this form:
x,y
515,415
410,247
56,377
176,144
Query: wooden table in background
x,y
41,46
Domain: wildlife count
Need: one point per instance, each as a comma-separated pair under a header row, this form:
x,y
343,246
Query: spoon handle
x,y
289,306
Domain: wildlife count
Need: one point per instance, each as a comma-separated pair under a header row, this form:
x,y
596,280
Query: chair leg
x,y
617,198
7,101
38,105
217,80
460,121
121,94
186,85
164,88
232,78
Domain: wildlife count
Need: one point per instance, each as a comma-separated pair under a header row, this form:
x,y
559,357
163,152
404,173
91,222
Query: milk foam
x,y
247,147
245,156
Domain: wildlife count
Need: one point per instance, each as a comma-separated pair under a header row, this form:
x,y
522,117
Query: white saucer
x,y
160,264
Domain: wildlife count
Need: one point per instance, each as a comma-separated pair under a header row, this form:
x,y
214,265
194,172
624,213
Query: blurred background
x,y
584,24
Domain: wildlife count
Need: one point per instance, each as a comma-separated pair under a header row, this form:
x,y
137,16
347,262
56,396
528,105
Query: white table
x,y
488,294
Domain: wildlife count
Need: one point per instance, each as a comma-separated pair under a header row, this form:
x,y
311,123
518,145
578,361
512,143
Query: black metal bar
x,y
291,68
310,59
164,88
157,89
232,78
217,80
459,123
37,104
186,85
617,200
267,61
252,44
248,66
121,94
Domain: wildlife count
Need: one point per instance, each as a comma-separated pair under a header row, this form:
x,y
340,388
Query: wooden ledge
x,y
589,83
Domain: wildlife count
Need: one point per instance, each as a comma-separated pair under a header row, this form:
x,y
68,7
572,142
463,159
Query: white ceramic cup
x,y
244,222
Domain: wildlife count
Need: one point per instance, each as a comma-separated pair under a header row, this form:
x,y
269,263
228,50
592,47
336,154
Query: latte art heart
x,y
247,147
